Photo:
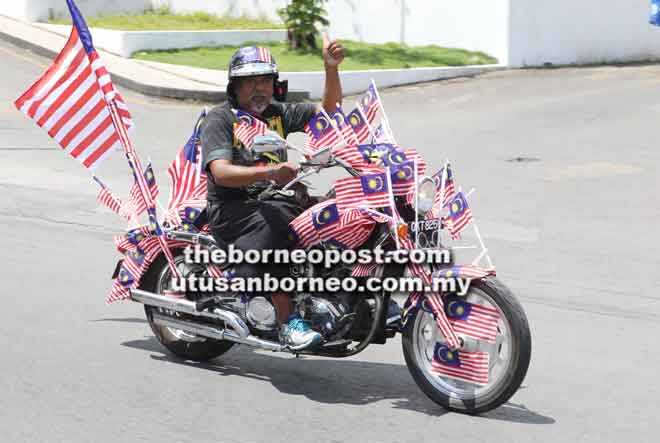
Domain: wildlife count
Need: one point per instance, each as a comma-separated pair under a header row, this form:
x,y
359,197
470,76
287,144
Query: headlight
x,y
425,194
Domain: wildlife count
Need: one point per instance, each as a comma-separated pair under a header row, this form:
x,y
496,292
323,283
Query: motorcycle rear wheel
x,y
180,343
509,356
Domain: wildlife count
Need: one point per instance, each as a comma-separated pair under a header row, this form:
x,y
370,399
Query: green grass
x,y
359,56
164,20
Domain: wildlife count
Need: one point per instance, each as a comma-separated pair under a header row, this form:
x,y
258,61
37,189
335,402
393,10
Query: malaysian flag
x,y
370,190
71,101
403,178
136,203
326,220
109,200
248,127
369,103
363,269
358,124
350,155
301,230
412,154
460,365
459,215
464,271
187,180
474,320
450,188
264,55
321,132
344,127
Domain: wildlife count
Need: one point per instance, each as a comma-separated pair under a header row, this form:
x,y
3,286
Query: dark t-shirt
x,y
219,142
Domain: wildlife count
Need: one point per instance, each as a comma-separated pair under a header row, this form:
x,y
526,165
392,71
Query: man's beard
x,y
259,102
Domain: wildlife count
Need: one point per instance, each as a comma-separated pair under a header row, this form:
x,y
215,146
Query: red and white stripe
x,y
304,228
70,102
246,132
481,323
473,368
456,226
109,200
363,270
264,55
330,138
350,194
441,320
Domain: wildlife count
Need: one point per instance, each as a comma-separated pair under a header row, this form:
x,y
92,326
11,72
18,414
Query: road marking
x,y
590,170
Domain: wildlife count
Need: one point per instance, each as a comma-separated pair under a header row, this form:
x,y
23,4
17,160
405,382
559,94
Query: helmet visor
x,y
249,69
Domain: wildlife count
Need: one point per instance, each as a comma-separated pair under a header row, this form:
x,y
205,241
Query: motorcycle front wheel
x,y
509,356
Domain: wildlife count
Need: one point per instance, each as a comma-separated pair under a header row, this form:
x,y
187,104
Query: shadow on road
x,y
330,381
121,320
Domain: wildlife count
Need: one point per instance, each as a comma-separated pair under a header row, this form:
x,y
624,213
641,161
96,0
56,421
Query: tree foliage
x,y
301,18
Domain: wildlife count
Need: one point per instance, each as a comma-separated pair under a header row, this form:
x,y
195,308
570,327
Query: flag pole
x,y
366,122
442,201
382,108
390,192
416,203
134,161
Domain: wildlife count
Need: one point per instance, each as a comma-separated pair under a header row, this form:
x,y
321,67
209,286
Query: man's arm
x,y
234,176
333,55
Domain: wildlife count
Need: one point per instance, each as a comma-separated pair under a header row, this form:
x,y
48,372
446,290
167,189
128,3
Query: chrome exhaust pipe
x,y
213,332
232,320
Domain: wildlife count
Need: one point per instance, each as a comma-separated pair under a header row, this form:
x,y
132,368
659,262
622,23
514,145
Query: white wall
x,y
584,31
42,10
478,25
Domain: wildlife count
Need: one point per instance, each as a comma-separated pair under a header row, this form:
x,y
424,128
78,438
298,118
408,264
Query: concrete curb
x,y
163,80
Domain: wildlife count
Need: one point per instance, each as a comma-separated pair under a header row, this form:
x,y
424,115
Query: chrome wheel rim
x,y
426,334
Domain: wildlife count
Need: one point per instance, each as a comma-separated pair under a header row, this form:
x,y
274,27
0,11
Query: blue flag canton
x,y
437,177
403,173
81,27
125,277
458,309
374,183
190,216
325,216
394,158
154,226
137,256
655,13
442,354
335,244
135,236
355,120
319,125
368,98
149,176
339,117
244,117
374,152
457,206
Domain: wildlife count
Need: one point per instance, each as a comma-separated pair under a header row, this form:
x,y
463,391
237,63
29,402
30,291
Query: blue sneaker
x,y
297,334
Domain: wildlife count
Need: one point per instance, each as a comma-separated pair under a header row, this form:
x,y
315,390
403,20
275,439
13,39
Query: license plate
x,y
425,225
424,233
115,273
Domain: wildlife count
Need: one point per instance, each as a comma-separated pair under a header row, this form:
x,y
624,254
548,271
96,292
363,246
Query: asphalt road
x,y
572,229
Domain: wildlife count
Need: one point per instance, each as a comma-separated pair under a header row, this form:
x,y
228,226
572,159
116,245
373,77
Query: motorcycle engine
x,y
330,318
261,314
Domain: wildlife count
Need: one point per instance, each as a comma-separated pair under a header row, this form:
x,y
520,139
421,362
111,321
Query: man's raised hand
x,y
333,51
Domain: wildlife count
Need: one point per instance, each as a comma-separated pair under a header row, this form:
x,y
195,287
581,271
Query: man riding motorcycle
x,y
235,179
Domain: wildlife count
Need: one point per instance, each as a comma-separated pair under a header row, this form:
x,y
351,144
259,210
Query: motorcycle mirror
x,y
269,142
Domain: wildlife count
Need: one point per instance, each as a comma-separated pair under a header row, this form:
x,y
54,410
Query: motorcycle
x,y
477,372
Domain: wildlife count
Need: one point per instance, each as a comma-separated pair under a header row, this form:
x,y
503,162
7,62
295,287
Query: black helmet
x,y
250,61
